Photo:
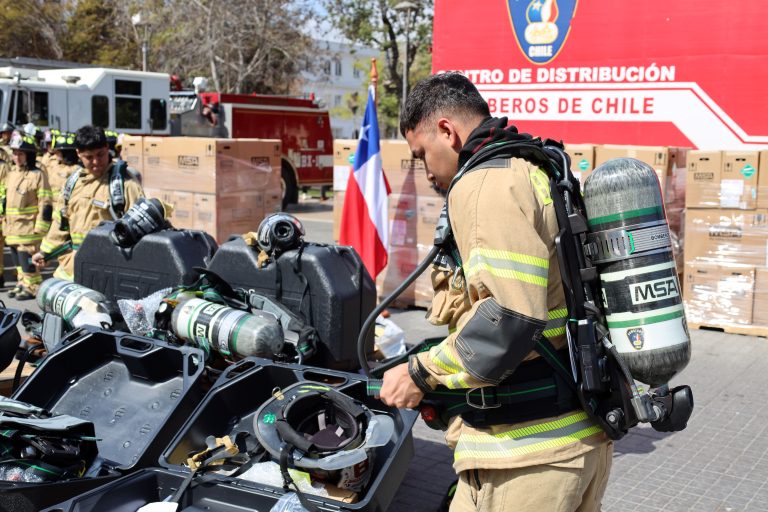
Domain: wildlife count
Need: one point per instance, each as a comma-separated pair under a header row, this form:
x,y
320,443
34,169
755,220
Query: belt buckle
x,y
483,403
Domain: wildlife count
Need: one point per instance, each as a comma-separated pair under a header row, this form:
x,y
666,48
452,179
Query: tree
x,y
375,23
32,29
242,45
98,33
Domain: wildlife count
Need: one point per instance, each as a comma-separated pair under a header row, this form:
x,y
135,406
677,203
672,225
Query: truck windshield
x,y
28,106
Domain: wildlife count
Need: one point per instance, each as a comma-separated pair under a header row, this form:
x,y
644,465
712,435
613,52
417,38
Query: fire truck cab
x,y
303,127
131,102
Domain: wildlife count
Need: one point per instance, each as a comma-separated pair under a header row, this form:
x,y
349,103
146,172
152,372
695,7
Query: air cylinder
x,y
231,332
75,303
630,245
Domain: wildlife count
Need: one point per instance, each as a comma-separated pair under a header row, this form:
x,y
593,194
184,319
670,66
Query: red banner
x,y
685,73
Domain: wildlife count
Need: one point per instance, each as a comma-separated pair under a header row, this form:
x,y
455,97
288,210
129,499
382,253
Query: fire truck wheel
x,y
288,184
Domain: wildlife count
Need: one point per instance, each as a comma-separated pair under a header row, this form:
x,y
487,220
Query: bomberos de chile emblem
x,y
636,337
541,26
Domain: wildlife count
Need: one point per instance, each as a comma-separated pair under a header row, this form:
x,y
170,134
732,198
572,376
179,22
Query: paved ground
x,y
717,464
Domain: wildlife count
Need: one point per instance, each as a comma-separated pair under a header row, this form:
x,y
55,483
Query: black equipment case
x,y
230,406
340,293
136,391
165,259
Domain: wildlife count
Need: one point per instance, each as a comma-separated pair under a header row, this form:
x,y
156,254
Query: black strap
x,y
285,458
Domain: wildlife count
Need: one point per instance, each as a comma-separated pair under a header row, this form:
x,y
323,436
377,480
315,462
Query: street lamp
x,y
138,21
404,10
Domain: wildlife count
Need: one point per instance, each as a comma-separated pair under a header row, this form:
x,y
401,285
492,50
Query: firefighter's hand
x,y
39,260
399,390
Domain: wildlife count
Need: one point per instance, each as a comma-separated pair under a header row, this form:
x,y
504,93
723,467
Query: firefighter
x,y
5,138
531,447
27,214
63,163
48,158
99,190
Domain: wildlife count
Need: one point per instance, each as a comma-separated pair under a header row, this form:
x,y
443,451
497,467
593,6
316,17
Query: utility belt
x,y
534,391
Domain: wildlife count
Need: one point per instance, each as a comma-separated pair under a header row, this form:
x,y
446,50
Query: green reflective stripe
x,y
557,319
42,225
63,274
631,214
77,238
22,239
57,215
457,381
44,192
444,360
509,265
53,250
646,320
21,211
526,440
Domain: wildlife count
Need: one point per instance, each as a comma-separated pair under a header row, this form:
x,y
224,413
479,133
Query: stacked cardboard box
x,y
413,212
222,186
726,238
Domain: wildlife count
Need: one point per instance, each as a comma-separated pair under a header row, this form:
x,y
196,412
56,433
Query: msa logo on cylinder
x,y
650,291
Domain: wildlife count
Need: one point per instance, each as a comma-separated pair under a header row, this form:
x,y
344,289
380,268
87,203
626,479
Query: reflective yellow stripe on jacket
x,y
556,320
29,210
509,265
526,440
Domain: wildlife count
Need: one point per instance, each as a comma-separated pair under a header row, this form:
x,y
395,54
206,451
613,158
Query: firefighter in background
x,y
27,214
99,190
63,163
531,447
48,157
5,139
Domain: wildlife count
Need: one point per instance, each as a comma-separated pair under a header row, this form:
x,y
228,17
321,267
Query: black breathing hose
x,y
361,356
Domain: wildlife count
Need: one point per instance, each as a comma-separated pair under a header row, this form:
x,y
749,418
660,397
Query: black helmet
x,y
279,232
324,432
23,142
63,141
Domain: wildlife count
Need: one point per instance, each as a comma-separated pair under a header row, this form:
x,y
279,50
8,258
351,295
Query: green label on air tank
x,y
584,164
747,171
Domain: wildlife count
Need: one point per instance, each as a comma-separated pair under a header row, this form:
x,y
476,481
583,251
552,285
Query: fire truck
x,y
142,103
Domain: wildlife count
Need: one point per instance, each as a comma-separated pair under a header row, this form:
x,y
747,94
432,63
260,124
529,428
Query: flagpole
x,y
375,81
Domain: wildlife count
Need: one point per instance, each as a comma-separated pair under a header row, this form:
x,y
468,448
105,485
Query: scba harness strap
x,y
117,176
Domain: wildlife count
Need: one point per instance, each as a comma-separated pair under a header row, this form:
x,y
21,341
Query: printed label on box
x,y
730,193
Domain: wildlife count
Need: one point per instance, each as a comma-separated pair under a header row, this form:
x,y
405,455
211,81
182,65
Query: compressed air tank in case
x,y
229,331
629,243
76,304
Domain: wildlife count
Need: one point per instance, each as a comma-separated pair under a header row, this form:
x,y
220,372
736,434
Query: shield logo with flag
x,y
541,26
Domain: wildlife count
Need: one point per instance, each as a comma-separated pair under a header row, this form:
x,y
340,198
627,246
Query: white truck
x,y
133,102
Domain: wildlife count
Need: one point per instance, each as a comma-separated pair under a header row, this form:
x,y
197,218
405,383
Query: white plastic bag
x,y
139,315
288,502
390,338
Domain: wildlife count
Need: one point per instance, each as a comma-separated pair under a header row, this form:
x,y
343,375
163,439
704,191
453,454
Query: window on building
x,y
158,114
337,100
356,72
327,67
128,104
337,67
100,111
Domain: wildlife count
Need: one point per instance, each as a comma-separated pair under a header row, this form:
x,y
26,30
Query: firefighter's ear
x,y
447,132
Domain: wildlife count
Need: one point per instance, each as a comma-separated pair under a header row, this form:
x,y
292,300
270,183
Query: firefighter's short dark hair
x,y
444,93
90,137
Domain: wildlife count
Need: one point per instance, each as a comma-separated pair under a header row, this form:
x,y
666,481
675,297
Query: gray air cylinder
x,y
75,303
629,244
229,331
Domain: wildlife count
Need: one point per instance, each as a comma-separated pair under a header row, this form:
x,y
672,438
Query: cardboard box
x,y
702,185
582,159
738,180
403,220
133,151
762,180
655,156
338,206
732,237
429,209
343,159
211,166
760,308
403,261
719,295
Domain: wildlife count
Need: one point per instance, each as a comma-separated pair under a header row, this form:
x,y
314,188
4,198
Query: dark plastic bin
x,y
341,292
230,405
137,392
165,259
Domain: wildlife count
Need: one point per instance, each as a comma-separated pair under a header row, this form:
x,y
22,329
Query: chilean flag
x,y
364,223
